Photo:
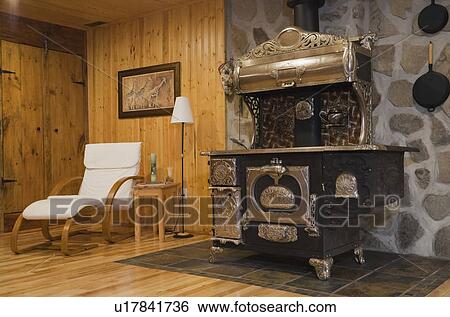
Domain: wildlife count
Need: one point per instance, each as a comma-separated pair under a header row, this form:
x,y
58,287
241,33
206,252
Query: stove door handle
x,y
288,77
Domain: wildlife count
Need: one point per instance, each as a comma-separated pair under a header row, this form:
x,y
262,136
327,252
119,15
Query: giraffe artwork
x,y
148,91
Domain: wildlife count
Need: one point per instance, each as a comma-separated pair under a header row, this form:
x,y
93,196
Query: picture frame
x,y
148,91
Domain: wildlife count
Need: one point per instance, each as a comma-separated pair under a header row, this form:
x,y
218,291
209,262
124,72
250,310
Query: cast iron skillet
x,y
433,18
432,89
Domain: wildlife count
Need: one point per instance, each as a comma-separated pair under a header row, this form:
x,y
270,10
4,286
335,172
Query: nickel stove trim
x,y
277,233
277,197
226,211
223,172
346,186
314,149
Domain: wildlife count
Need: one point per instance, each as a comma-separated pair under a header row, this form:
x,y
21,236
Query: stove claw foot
x,y
212,254
322,267
359,255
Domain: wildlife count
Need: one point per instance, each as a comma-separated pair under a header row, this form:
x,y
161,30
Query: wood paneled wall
x,y
192,34
42,112
22,114
43,122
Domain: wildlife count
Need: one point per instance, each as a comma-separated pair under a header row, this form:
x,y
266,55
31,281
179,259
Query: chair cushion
x,y
112,155
59,207
106,163
97,182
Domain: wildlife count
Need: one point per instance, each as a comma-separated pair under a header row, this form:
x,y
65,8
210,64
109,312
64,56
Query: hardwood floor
x,y
442,291
95,273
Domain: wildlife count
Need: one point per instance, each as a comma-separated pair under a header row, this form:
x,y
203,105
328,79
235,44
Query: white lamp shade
x,y
182,112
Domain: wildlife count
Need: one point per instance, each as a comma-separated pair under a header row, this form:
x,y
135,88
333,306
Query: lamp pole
x,y
182,113
182,234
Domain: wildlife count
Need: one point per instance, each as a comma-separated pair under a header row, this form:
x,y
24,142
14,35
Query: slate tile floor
x,y
383,274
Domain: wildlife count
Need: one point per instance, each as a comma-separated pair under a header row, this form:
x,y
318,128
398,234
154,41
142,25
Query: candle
x,y
169,178
153,158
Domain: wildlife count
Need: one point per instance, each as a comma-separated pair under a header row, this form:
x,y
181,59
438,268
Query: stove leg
x,y
212,254
322,267
359,255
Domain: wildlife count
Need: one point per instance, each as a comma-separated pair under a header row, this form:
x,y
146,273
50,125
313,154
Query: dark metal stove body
x,y
312,171
301,202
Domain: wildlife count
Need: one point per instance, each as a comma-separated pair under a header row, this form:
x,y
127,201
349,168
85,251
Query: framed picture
x,y
148,91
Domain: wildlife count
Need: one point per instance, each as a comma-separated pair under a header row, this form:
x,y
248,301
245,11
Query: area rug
x,y
383,274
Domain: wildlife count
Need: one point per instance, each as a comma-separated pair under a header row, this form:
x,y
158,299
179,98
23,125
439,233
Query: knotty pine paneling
x,y
192,34
22,109
65,119
44,125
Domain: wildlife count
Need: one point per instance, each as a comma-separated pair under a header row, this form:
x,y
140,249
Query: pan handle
x,y
430,55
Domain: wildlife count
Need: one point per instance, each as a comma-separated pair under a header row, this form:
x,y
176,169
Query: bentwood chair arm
x,y
57,189
109,204
113,192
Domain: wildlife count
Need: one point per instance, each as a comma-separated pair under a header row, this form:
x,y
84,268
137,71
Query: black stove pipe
x,y
306,16
306,13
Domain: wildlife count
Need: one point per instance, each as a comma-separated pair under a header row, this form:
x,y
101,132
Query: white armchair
x,y
111,169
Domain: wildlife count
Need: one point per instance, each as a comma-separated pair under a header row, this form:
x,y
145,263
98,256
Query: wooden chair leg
x,y
65,249
107,226
15,238
15,234
45,228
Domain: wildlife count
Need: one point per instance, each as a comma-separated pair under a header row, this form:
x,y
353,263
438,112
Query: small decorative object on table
x,y
169,179
153,175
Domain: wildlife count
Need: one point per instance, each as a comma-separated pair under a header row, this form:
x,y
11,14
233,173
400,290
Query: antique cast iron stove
x,y
312,170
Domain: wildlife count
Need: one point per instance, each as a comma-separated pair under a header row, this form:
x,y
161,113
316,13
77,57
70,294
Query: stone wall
x,y
422,224
249,23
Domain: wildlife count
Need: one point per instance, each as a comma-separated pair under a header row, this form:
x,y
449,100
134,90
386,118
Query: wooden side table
x,y
160,191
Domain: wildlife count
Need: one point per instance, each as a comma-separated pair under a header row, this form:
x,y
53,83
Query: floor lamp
x,y
182,113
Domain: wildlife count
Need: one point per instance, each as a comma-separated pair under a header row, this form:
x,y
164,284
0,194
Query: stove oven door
x,y
278,194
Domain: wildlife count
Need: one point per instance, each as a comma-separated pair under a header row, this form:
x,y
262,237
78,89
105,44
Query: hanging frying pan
x,y
433,18
432,89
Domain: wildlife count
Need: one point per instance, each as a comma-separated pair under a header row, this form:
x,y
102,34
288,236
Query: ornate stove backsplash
x,y
340,117
279,122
